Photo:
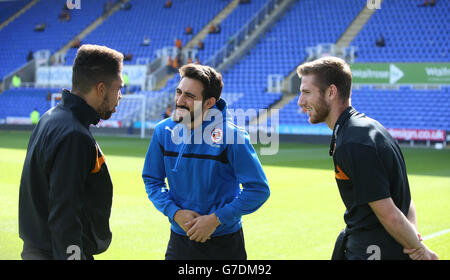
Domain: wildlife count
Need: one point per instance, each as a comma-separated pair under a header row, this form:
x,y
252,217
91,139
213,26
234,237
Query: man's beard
x,y
106,115
322,110
104,112
176,117
193,115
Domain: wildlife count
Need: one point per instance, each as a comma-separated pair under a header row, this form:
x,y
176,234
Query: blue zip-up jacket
x,y
204,170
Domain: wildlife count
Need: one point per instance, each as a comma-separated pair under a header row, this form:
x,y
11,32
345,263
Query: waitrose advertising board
x,y
401,73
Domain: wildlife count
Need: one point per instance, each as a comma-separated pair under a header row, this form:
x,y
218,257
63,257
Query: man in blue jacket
x,y
205,159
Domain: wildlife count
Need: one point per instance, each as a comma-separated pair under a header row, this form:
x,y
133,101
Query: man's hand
x,y
201,228
184,216
422,253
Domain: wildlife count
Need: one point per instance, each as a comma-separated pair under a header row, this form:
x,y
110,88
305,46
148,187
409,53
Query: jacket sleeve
x,y
154,175
249,172
72,162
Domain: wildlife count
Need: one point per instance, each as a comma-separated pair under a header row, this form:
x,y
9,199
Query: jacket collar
x,y
339,123
82,111
221,108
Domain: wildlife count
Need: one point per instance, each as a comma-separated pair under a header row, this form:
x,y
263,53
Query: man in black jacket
x,y
369,166
66,191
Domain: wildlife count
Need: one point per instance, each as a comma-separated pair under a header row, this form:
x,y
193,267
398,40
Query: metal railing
x,y
239,37
222,54
346,53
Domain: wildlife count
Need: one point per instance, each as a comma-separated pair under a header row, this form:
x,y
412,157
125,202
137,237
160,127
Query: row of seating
x,y
21,101
9,8
19,38
403,108
412,33
228,27
278,52
125,30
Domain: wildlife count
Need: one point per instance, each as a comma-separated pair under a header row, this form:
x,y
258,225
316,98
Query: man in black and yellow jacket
x,y
370,170
66,191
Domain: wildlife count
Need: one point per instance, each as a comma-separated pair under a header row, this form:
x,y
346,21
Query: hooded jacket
x,y
204,168
65,193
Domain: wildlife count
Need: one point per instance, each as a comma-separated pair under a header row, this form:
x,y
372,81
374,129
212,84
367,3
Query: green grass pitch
x,y
301,219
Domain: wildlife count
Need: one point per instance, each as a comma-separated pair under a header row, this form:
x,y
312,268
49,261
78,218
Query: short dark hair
x,y
210,78
94,64
327,71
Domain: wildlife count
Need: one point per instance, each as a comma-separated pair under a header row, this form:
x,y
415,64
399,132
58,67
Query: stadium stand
x,y
420,34
228,27
19,102
279,51
214,42
297,29
21,37
114,33
403,108
126,29
412,40
9,8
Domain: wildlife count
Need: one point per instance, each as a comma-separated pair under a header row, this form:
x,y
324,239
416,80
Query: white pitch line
x,y
442,232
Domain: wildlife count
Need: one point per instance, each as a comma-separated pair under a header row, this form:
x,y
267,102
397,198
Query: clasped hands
x,y
197,227
421,253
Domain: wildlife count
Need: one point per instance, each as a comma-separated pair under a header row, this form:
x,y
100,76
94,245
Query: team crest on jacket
x,y
217,135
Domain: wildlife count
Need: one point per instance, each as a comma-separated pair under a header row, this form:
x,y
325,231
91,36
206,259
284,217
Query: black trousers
x,y
375,244
30,252
226,247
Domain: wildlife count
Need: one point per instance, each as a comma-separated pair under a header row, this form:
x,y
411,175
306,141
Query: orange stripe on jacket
x,y
340,174
98,163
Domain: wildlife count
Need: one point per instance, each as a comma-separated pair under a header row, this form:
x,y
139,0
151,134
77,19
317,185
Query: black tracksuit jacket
x,y
65,191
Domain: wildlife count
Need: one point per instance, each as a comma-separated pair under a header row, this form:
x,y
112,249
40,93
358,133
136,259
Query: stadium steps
x,y
163,82
249,43
356,26
216,20
253,38
344,41
199,37
16,15
256,35
90,28
262,118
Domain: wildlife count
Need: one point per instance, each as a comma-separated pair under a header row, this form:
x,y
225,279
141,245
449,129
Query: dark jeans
x,y
226,247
